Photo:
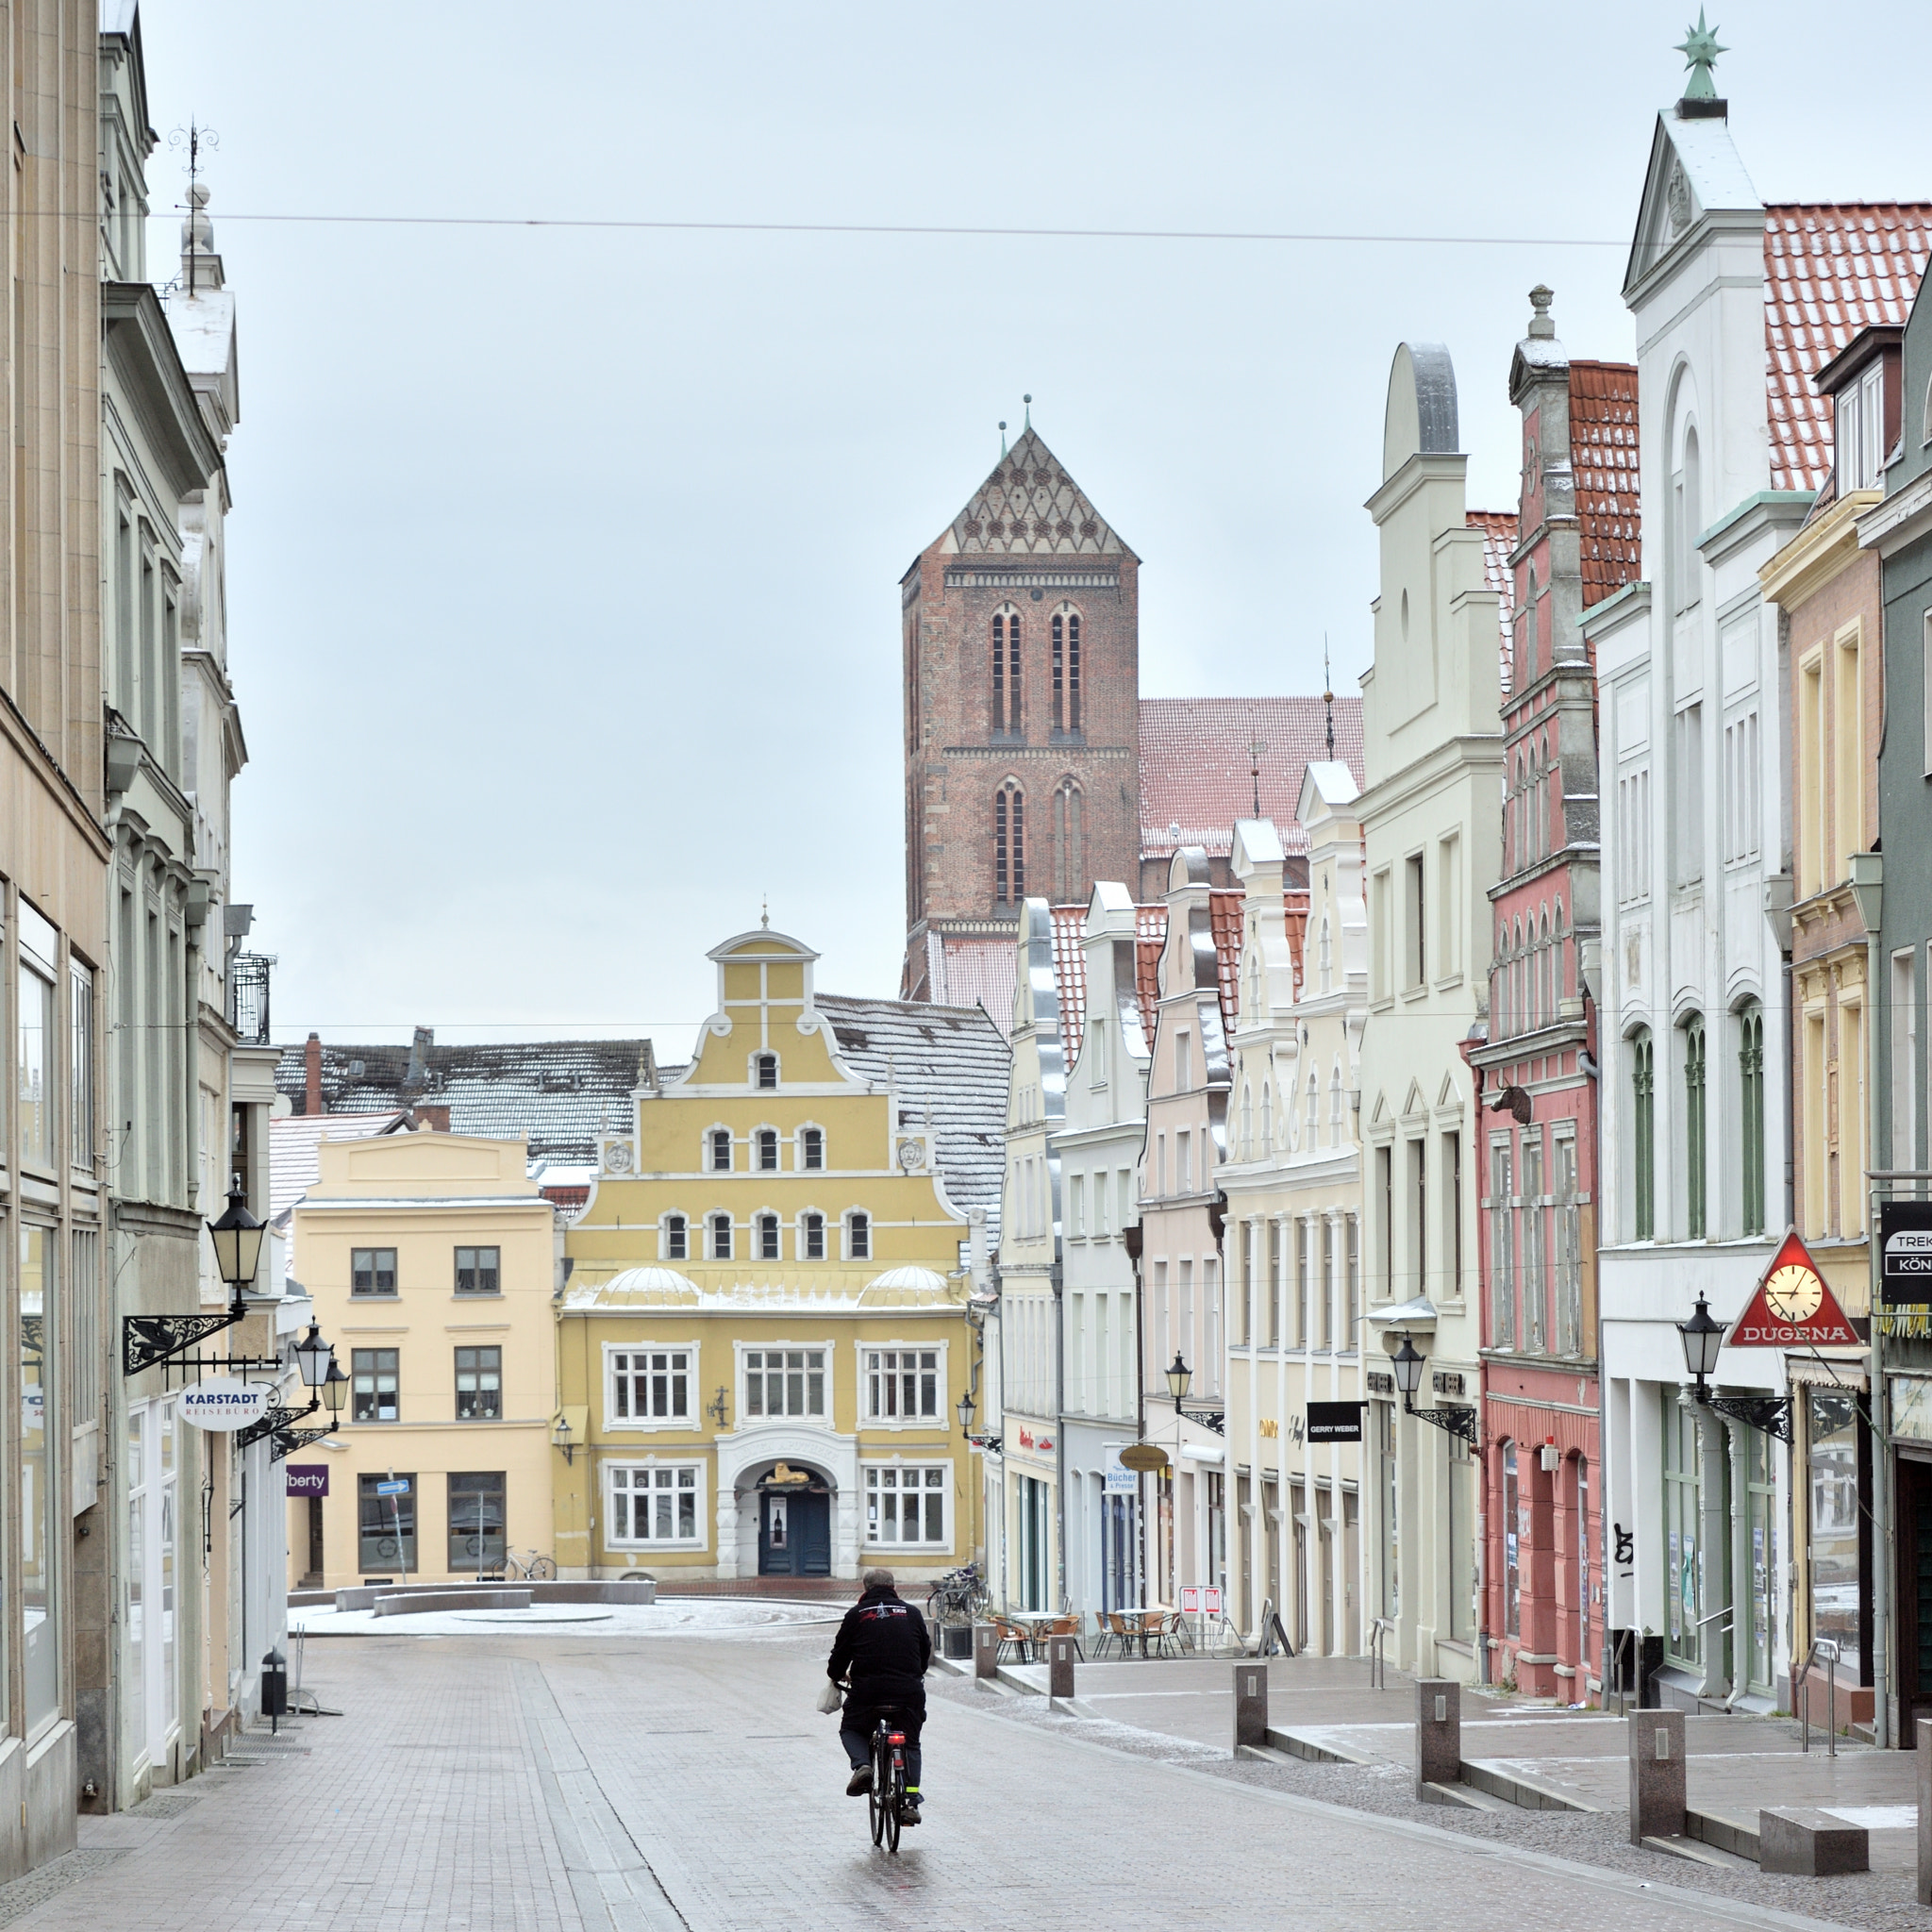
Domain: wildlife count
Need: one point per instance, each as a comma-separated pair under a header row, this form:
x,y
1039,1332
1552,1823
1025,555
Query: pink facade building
x,y
1541,1614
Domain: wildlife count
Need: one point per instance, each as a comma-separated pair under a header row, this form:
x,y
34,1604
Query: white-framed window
x,y
651,1388
906,1503
653,1505
812,1150
718,1236
901,1384
858,1235
811,1236
765,1236
718,1149
764,1072
673,1242
764,1150
783,1382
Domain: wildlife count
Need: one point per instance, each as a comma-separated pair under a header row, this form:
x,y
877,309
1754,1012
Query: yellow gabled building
x,y
763,1338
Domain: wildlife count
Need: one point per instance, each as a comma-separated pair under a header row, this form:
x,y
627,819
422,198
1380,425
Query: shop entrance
x,y
796,1528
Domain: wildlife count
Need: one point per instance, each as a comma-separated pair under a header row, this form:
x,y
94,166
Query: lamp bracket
x,y
1215,1419
1454,1421
272,1421
1771,1413
148,1340
287,1440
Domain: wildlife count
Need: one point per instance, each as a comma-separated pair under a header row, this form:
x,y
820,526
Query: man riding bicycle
x,y
880,1654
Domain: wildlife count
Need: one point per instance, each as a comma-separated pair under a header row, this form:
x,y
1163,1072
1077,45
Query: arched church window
x,y
1009,845
1005,671
1069,858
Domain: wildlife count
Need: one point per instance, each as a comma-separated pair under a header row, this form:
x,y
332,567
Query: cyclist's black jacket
x,y
883,1644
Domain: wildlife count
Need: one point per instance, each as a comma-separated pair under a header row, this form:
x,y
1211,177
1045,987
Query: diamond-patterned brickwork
x,y
1030,507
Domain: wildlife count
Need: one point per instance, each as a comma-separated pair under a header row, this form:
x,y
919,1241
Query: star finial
x,y
1700,50
1028,401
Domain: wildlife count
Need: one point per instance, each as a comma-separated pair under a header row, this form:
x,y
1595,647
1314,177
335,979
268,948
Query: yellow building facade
x,y
432,1261
763,1336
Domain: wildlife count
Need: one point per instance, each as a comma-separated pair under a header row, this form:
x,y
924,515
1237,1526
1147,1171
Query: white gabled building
x,y
1432,753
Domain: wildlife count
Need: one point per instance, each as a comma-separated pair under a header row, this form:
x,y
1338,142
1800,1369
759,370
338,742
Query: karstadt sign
x,y
223,1403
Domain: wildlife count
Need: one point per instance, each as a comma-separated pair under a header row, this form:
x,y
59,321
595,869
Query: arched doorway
x,y
794,1516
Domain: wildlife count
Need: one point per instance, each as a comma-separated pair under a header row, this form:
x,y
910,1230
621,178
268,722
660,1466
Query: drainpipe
x,y
1057,1280
1868,880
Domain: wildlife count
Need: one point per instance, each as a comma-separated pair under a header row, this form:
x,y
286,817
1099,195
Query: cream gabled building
x,y
1295,1205
1431,818
763,1336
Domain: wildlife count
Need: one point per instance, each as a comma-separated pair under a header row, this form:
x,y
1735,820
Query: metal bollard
x,y
985,1651
1658,1789
274,1690
1250,1705
1059,1666
1438,1732
1923,1740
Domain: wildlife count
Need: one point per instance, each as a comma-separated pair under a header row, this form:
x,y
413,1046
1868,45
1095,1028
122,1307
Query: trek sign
x,y
1794,1308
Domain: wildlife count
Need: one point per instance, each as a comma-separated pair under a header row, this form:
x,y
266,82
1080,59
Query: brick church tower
x,y
1021,631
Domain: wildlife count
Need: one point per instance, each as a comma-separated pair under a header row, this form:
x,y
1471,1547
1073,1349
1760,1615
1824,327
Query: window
x,y
812,1227
1536,1287
1380,987
371,1271
766,1069
676,1237
1751,1115
1314,1113
768,1150
1925,662
1848,781
905,1506
373,1380
80,1068
478,1502
1415,909
1452,1215
1448,932
1005,671
902,1384
1069,856
1569,1251
1334,1107
651,1385
1744,789
479,1384
1693,1127
479,1270
812,1150
766,1227
1352,1283
1183,1061
1066,671
39,1059
1385,1203
1858,431
720,1139
1689,799
784,1381
1633,824
654,1503
858,1237
1008,844
1076,1207
1905,1061
721,1237
1184,1163
1684,1552
386,1525
1514,1538
1502,1249
1643,1135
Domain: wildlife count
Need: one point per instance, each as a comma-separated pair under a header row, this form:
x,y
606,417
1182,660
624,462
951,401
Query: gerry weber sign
x,y
225,1403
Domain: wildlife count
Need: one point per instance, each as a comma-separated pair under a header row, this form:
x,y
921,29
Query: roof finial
x,y
1255,751
1003,442
1328,697
1540,324
765,912
1028,401
1700,50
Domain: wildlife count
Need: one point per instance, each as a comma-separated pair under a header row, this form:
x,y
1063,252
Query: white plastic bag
x,y
831,1698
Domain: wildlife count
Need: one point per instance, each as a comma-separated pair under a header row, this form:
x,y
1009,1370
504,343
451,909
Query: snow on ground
x,y
689,1617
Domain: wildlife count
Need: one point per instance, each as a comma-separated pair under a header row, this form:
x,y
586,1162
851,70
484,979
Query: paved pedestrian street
x,y
640,1785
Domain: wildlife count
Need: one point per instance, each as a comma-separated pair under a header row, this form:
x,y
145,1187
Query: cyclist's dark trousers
x,y
856,1726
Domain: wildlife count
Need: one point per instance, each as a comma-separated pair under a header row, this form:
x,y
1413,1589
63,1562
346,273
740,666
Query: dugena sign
x,y
223,1403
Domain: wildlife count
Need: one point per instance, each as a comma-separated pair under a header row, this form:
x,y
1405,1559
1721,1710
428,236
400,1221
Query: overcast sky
x,y
563,565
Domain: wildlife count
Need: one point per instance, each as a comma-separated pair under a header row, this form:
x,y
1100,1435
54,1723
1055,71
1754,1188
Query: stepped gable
x,y
1030,507
1603,459
557,1094
1830,269
949,1067
1196,770
1499,530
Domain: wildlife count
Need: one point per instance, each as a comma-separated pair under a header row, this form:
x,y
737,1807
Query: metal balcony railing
x,y
248,975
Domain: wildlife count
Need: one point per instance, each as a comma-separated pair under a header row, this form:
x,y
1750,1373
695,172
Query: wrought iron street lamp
x,y
335,1386
314,1357
965,1407
237,1238
1178,1379
1409,1379
1702,1337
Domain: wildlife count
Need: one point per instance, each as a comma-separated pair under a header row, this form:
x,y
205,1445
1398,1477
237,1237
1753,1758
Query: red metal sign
x,y
1794,1308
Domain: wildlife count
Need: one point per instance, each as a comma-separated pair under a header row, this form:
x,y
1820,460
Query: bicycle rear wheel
x,y
895,1796
542,1570
876,1798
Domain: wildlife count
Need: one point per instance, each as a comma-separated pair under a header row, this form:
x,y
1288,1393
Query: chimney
x,y
312,1093
429,1119
416,1080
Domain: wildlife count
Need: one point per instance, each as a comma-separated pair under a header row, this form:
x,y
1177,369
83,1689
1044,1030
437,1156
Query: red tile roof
x,y
1196,769
1070,976
1830,269
1225,917
1150,936
969,970
1603,455
1499,539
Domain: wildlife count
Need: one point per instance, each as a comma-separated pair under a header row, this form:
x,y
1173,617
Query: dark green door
x,y
796,1534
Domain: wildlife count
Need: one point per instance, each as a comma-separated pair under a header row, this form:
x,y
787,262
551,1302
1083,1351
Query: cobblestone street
x,y
481,1784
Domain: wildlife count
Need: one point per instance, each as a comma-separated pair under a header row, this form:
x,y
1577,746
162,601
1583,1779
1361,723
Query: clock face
x,y
1793,1293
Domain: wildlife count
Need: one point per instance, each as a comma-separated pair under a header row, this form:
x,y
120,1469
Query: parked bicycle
x,y
960,1597
527,1568
886,1800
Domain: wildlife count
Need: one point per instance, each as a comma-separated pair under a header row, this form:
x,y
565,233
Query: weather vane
x,y
194,138
1700,50
1255,752
1328,697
